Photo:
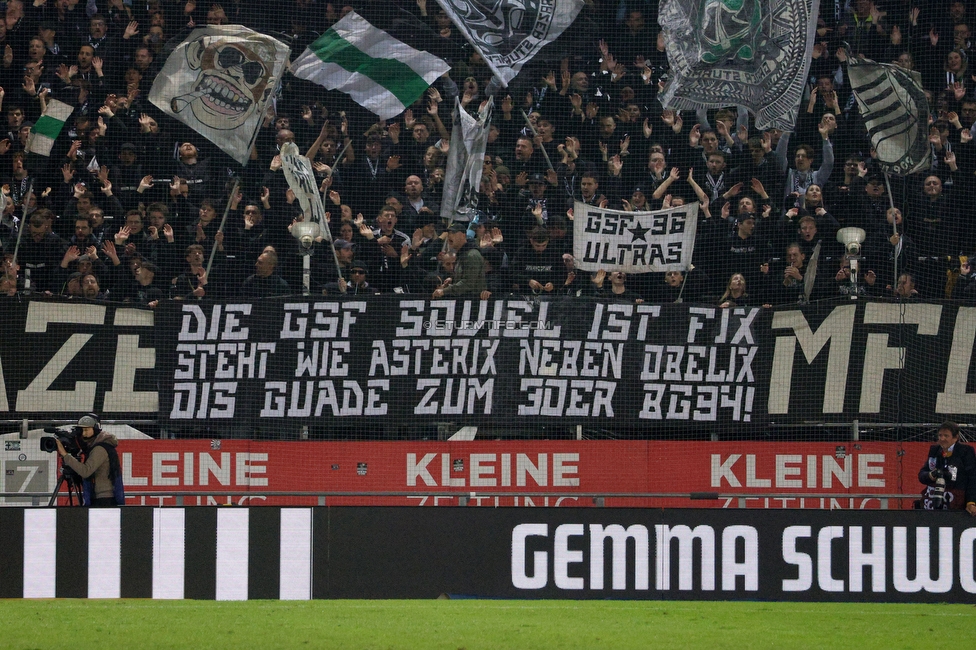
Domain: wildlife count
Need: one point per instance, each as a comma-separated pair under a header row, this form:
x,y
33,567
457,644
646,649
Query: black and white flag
x,y
634,242
465,160
895,113
301,180
507,33
747,53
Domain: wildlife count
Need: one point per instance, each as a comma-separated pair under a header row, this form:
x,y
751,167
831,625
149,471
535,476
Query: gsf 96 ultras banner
x,y
488,362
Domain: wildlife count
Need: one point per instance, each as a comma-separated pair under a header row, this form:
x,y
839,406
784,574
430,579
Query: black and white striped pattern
x,y
895,113
166,553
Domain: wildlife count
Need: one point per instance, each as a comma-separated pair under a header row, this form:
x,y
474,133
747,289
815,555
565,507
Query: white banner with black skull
x,y
218,82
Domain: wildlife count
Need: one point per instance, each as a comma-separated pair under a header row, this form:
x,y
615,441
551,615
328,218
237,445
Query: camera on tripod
x,y
69,440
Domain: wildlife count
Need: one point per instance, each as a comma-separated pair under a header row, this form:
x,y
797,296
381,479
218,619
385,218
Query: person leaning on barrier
x,y
949,473
101,470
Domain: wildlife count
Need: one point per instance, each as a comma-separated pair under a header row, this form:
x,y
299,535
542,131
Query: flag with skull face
x,y
218,81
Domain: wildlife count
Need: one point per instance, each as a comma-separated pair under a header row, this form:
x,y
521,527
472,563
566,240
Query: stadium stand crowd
x,y
129,203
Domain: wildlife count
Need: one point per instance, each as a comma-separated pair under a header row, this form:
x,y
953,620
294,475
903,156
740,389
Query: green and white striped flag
x,y
47,128
381,73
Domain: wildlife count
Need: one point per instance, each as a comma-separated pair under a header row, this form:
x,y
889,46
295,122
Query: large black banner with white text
x,y
261,363
461,361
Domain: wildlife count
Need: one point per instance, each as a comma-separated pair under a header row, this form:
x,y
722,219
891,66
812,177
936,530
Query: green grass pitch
x,y
470,624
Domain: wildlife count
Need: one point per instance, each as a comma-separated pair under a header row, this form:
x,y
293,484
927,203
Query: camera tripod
x,y
75,486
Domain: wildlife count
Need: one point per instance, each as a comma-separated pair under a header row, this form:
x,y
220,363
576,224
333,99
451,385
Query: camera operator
x,y
949,473
100,471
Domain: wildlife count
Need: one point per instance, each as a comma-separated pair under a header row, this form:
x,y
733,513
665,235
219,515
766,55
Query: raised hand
x,y
108,247
70,256
624,146
958,90
122,235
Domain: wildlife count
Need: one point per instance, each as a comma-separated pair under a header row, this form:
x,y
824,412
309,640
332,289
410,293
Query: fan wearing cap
x,y
469,270
345,252
536,196
637,202
147,290
870,205
358,282
101,466
746,247
537,266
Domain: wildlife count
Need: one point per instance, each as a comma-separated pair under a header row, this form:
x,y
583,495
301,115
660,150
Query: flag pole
x,y
338,159
327,235
325,227
542,145
894,228
223,221
23,223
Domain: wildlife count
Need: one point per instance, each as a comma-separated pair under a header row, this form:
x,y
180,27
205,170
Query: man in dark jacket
x,y
469,270
955,463
265,282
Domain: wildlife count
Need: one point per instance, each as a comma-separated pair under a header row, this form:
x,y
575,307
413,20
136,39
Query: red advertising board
x,y
507,473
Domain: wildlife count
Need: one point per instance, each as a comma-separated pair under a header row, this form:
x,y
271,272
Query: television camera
x,y
71,441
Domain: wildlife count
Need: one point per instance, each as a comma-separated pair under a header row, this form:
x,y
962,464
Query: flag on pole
x,y
47,128
301,180
634,242
508,33
465,160
749,53
380,72
219,81
895,113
